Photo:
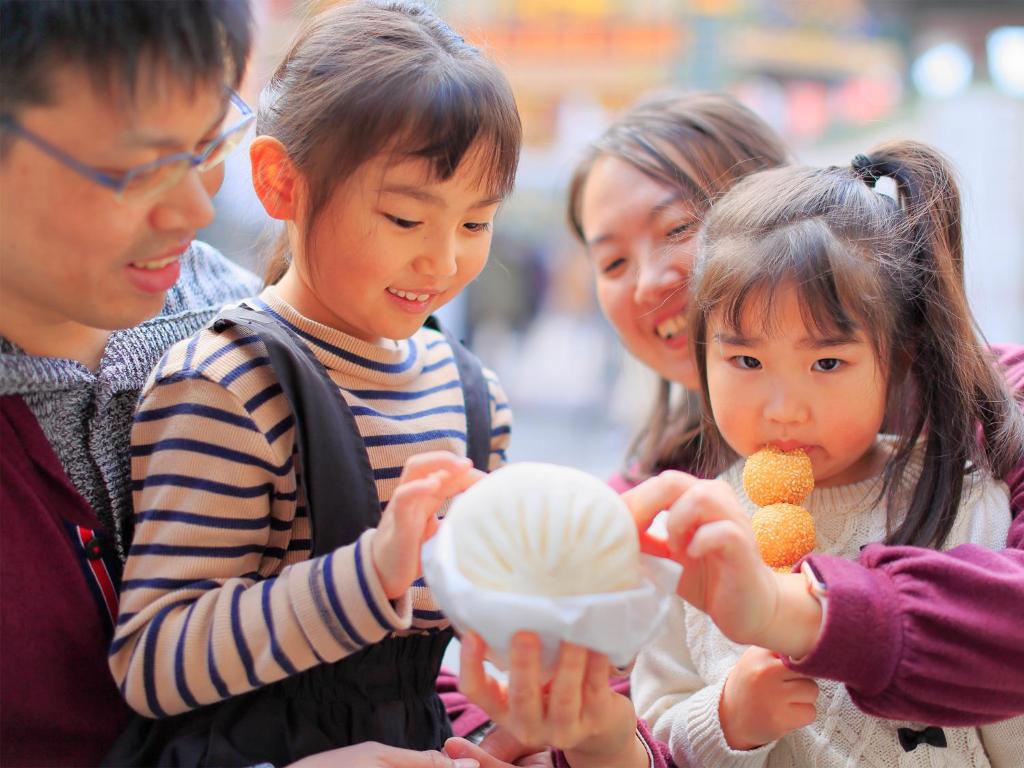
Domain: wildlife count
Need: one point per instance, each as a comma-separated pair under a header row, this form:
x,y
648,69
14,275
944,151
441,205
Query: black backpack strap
x,y
475,395
341,495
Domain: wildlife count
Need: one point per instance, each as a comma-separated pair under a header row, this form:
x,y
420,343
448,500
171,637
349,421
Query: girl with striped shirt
x,y
289,460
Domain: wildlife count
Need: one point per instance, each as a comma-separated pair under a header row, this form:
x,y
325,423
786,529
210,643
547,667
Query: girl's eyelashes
x,y
827,364
402,223
746,362
612,266
472,226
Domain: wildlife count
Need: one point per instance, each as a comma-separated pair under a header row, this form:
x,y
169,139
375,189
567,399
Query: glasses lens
x,y
225,145
155,179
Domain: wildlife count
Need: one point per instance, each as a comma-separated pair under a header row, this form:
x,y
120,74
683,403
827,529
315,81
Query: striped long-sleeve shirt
x,y
220,594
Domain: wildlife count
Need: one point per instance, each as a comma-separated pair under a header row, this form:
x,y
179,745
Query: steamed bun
x,y
542,529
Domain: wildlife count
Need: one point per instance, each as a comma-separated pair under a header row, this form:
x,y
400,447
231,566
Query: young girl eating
x,y
269,609
824,312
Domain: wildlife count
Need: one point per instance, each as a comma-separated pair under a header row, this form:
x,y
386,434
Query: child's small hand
x,y
709,533
577,711
763,700
410,518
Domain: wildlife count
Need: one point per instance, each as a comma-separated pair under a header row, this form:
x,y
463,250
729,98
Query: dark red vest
x,y
58,602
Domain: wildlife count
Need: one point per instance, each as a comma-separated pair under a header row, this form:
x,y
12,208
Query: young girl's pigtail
x,y
951,379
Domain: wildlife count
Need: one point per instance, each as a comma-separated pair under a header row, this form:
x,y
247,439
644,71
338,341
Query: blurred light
x,y
1006,59
942,71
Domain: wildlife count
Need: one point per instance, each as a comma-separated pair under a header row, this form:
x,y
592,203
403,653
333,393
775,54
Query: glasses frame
x,y
120,182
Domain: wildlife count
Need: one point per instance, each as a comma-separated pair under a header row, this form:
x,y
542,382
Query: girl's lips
x,y
790,445
412,306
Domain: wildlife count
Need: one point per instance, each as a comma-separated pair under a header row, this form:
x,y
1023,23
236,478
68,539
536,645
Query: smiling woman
x,y
676,154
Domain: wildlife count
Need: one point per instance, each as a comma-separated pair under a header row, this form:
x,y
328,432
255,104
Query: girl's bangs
x,y
838,293
460,111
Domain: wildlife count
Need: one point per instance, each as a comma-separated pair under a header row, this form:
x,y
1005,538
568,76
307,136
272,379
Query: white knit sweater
x,y
678,679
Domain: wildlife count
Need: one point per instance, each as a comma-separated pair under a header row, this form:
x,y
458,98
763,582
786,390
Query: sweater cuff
x,y
393,615
349,609
696,736
862,613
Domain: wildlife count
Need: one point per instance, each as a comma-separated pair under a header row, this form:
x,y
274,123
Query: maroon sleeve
x,y
931,636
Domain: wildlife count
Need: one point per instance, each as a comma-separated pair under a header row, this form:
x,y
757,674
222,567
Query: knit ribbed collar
x,y
128,358
207,282
389,363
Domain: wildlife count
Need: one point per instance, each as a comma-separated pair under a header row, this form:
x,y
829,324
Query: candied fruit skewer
x,y
777,481
784,533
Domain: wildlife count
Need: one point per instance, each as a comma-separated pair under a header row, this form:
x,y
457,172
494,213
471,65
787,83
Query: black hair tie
x,y
865,170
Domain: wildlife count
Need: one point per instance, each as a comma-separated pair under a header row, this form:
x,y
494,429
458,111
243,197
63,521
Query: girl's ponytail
x,y
952,379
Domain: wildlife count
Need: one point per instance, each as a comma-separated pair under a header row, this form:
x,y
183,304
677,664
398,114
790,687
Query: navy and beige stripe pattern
x,y
220,595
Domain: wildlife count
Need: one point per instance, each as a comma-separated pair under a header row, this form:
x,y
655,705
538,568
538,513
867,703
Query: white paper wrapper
x,y
615,623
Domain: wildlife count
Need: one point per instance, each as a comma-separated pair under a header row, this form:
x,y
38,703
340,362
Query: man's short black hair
x,y
194,41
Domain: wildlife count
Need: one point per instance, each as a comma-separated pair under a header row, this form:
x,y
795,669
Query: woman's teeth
x,y
670,328
409,296
155,263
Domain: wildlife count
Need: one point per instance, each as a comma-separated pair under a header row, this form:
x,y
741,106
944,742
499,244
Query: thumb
x,y
502,744
462,749
431,759
646,500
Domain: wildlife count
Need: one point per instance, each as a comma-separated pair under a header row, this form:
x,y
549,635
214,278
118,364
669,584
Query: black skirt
x,y
383,693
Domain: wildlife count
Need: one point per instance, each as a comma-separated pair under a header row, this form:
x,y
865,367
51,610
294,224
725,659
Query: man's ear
x,y
274,178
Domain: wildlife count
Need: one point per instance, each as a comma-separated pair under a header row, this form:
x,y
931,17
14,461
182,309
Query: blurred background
x,y
834,77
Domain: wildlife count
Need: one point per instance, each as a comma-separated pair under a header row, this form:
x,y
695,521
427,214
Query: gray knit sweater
x,y
86,415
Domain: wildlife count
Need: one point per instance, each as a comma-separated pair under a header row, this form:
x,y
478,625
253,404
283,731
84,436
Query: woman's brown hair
x,y
892,269
700,144
377,76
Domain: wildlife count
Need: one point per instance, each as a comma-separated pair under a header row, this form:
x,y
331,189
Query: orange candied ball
x,y
771,476
784,534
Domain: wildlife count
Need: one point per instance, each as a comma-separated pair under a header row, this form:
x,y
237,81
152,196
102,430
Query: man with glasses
x,y
115,118
114,121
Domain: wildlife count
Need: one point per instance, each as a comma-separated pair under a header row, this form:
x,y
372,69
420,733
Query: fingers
x,y
525,707
474,681
722,537
802,714
653,495
599,669
454,483
462,749
802,691
374,755
422,464
705,501
565,699
500,743
595,689
433,760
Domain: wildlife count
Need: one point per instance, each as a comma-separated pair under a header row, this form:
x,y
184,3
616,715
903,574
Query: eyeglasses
x,y
148,179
